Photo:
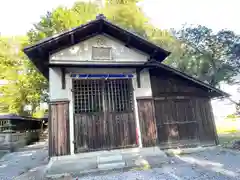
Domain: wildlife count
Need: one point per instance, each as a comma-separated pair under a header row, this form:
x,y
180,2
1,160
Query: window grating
x,y
87,96
102,53
118,95
114,95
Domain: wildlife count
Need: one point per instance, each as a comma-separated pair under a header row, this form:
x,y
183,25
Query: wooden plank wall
x,y
205,119
147,122
183,111
184,122
100,131
174,86
176,122
59,137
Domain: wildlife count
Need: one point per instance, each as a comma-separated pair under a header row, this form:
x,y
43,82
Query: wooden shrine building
x,y
109,89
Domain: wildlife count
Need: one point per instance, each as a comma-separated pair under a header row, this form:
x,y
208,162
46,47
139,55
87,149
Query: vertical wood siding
x,y
166,84
175,121
205,119
183,113
59,143
184,122
147,122
94,132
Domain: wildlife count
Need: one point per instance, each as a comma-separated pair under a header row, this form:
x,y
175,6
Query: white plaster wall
x,y
145,90
82,53
55,85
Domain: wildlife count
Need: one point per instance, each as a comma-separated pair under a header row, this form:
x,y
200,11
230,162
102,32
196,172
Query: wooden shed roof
x,y
211,89
16,117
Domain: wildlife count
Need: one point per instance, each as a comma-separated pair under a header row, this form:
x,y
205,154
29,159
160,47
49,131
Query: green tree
x,y
125,13
62,19
211,57
25,85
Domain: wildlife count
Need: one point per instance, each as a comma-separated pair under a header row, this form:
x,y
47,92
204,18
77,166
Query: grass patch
x,y
223,130
227,126
227,139
228,131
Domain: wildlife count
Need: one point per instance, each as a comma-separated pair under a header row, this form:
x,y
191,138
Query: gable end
x,y
39,53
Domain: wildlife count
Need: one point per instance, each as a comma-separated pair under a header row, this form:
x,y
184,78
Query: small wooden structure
x,y
109,89
18,131
19,123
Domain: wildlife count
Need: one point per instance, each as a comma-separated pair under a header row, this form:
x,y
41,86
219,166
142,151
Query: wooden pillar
x,y
59,143
147,121
138,127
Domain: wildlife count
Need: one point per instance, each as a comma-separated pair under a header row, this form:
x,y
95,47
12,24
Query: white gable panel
x,y
82,52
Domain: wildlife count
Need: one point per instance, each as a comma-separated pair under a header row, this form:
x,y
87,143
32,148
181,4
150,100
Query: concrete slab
x,y
157,161
152,151
59,167
106,160
146,161
145,152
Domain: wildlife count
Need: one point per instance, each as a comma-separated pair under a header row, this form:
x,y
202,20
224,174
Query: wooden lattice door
x,y
103,114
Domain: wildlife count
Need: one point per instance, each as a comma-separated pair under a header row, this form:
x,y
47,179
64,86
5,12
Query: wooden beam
x,y
100,27
40,51
96,65
128,42
63,73
45,63
127,39
153,54
138,70
72,39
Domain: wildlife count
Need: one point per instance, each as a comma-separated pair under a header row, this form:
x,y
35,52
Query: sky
x,y
17,17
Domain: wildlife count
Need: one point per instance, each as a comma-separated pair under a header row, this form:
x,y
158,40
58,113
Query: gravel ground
x,y
166,173
14,164
208,165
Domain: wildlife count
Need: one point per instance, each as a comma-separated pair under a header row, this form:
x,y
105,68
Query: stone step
x,y
113,165
114,161
109,158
